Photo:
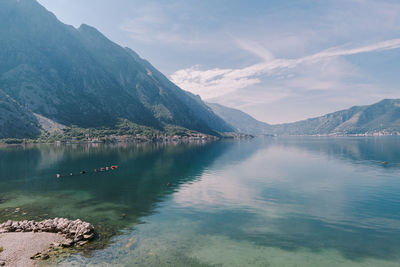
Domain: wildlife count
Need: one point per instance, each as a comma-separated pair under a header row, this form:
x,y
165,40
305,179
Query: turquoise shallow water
x,y
263,202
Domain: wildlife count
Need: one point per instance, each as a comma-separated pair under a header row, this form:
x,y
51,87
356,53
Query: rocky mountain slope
x,y
240,121
79,77
15,120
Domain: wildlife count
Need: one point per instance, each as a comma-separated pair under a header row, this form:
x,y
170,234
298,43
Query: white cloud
x,y
155,22
211,83
255,48
152,23
218,82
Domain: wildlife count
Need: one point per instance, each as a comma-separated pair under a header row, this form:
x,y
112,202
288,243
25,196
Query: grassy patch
x,y
122,128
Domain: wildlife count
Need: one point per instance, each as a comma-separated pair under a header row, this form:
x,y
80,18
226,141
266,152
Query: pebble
x,y
81,243
41,256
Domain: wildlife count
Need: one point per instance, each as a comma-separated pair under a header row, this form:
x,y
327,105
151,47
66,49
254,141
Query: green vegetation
x,y
11,141
76,133
123,130
1,249
171,130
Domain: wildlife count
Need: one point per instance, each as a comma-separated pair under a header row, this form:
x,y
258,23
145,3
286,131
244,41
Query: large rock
x,y
76,231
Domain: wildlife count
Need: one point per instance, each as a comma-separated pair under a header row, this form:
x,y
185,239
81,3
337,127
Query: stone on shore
x,y
19,238
76,230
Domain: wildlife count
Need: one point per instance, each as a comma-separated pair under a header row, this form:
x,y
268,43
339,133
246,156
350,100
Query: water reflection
x,y
273,201
111,200
317,194
381,151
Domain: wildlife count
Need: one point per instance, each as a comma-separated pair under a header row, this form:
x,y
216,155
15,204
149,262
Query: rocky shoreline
x,y
69,232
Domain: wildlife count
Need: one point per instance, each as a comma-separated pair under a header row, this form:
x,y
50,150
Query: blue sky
x,y
280,61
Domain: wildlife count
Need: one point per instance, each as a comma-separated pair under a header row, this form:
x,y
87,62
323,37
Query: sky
x,y
280,61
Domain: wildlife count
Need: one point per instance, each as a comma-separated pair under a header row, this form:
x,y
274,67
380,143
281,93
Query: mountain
x,y
240,121
383,116
79,77
15,120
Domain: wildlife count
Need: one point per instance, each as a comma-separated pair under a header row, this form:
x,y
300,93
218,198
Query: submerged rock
x,y
40,256
81,243
67,243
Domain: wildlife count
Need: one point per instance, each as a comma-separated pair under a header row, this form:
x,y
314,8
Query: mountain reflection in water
x,y
309,201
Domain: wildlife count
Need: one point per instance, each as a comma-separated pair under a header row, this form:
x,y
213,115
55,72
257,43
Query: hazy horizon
x,y
279,62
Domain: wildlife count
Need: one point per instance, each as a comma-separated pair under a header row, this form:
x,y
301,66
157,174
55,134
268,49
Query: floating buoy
x,y
58,175
129,243
70,174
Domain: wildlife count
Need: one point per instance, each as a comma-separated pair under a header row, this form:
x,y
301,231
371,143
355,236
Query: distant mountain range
x,y
240,121
79,77
382,117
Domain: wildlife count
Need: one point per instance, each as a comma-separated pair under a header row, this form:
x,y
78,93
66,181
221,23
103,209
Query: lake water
x,y
262,202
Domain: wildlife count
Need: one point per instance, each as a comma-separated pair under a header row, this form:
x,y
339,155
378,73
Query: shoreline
x,y
115,139
174,140
20,249
25,242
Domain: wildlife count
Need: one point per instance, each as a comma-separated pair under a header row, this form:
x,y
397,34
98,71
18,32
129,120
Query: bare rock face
x,y
76,232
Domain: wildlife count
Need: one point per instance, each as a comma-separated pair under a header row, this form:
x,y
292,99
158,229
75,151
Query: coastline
x,y
115,139
19,248
25,242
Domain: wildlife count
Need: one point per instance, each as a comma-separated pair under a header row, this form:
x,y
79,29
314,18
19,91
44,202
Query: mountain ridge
x,y
80,77
383,117
240,121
